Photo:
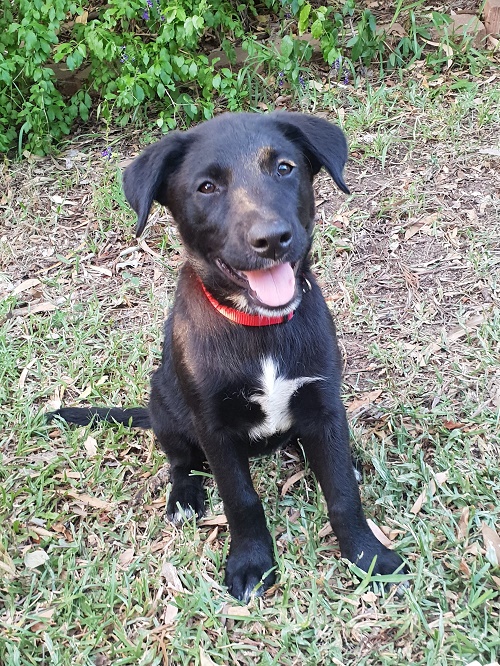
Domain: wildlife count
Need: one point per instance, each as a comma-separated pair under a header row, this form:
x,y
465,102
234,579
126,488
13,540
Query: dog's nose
x,y
270,240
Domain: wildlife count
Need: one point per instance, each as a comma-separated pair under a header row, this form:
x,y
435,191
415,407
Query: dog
x,y
250,359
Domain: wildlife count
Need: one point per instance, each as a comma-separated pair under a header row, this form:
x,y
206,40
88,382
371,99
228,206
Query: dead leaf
x,y
41,531
147,249
125,558
464,568
415,509
490,151
35,558
85,393
492,544
497,581
212,536
7,566
89,500
324,531
235,611
463,524
441,477
473,549
451,336
370,597
213,520
34,309
169,573
205,659
427,221
100,269
24,373
25,285
82,18
366,399
453,425
291,480
90,446
384,540
169,614
460,331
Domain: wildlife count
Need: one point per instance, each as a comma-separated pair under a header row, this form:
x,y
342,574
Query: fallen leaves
x,y
428,491
7,566
88,500
379,534
169,573
36,308
449,337
492,544
291,481
364,401
424,225
90,446
35,558
213,520
25,285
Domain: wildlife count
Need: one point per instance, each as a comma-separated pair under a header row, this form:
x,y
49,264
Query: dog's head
x,y
240,190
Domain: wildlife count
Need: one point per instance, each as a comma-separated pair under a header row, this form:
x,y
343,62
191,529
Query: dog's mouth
x,y
273,287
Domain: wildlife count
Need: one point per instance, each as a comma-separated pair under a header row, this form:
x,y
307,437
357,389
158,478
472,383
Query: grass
x,y
419,319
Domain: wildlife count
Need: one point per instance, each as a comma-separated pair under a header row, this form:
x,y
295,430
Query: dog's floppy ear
x,y
146,179
323,143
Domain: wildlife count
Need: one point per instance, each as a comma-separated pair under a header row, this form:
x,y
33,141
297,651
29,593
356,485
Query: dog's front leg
x,y
326,445
250,560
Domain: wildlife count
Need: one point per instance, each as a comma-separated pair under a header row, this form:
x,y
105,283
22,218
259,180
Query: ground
x,y
90,573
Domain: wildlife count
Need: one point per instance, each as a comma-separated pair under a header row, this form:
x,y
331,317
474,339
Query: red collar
x,y
239,317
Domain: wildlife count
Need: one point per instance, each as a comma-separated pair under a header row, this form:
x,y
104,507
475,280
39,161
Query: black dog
x,y
250,359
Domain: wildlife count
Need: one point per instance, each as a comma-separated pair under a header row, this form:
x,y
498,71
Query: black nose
x,y
270,240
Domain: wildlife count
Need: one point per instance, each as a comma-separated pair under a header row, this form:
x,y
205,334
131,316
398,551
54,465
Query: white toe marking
x,y
182,516
274,398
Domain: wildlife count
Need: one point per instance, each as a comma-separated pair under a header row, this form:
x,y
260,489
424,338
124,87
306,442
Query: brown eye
x,y
207,188
284,169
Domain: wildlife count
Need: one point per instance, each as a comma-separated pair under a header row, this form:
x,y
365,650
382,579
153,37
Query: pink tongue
x,y
273,286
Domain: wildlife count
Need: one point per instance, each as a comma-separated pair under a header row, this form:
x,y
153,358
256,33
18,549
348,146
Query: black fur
x,y
239,209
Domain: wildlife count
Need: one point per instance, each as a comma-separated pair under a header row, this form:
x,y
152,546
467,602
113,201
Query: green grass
x,y
105,594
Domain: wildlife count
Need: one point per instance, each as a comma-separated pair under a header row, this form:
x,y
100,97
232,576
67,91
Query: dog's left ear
x,y
323,143
146,179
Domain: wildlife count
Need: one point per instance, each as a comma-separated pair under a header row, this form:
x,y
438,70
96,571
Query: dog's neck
x,y
243,318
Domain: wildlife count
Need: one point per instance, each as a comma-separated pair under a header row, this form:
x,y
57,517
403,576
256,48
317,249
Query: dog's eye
x,y
207,188
284,169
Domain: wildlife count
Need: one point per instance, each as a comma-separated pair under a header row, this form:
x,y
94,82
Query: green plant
x,y
148,58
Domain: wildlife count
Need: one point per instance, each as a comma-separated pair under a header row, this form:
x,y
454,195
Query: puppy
x,y
250,359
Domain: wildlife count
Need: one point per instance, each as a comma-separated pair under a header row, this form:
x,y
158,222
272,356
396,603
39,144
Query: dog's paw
x,y
184,502
387,561
249,572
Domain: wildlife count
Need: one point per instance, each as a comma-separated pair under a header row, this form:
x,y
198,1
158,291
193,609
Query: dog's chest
x,y
273,394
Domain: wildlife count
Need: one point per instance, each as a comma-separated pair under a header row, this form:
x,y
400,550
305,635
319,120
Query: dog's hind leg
x,y
187,496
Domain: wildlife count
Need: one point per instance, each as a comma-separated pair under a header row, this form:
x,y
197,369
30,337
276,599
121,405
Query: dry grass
x,y
410,265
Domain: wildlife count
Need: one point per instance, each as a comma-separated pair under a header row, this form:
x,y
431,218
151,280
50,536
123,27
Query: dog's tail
x,y
136,417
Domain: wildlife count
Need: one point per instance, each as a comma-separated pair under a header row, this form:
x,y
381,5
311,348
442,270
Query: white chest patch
x,y
274,399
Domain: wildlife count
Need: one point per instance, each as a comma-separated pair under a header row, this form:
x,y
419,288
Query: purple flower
x,y
149,3
346,79
145,15
281,77
302,81
106,153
